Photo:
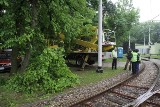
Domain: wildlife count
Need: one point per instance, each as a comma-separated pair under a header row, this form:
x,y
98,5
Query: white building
x,y
155,49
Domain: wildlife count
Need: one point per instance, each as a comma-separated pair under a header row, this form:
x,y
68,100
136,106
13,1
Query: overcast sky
x,y
149,9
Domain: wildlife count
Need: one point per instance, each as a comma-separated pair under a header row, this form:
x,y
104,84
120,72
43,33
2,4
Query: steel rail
x,y
135,86
141,99
113,86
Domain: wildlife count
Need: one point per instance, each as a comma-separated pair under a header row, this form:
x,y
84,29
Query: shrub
x,y
47,73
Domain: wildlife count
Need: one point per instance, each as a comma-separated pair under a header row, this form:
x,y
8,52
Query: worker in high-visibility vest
x,y
114,56
134,61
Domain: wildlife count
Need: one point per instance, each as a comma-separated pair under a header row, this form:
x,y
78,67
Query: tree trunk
x,y
14,62
34,12
19,30
34,23
26,60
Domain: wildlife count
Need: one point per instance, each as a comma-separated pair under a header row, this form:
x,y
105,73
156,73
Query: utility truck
x,y
88,51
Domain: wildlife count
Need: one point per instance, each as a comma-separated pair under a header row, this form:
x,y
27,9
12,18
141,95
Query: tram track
x,y
125,93
152,97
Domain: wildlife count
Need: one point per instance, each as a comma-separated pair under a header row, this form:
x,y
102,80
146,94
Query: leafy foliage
x,y
122,19
64,16
26,23
48,73
118,17
141,31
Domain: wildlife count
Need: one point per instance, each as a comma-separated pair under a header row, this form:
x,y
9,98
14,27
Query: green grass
x,y
10,98
155,56
122,59
152,56
118,59
88,76
146,55
91,76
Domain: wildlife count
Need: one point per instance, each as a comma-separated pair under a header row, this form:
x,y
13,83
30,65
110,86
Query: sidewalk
x,y
109,64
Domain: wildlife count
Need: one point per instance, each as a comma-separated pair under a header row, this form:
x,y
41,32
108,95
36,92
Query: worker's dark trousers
x,y
137,67
114,63
126,65
134,64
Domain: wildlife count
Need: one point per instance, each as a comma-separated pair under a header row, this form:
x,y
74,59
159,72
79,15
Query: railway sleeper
x,y
128,90
119,99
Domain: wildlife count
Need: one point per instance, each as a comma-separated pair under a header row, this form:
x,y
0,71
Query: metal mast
x,y
99,69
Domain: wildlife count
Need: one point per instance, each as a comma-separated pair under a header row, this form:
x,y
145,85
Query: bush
x,y
2,81
48,73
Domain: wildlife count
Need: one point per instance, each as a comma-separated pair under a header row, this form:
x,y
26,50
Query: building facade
x,y
155,49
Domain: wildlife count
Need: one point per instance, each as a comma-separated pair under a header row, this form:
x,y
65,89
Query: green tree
x,y
26,27
108,9
118,17
122,20
141,31
25,24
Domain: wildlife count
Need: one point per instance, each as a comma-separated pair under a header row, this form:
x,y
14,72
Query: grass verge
x,y
118,59
88,76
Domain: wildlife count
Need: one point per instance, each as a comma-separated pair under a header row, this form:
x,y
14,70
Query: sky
x,y
149,9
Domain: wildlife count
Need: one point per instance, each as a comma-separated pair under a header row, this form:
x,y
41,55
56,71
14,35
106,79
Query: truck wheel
x,y
79,61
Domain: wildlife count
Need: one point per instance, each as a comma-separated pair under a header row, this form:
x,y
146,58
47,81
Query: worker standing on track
x,y
129,56
138,61
134,61
114,61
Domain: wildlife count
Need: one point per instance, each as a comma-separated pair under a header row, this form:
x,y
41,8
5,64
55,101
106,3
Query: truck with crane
x,y
88,53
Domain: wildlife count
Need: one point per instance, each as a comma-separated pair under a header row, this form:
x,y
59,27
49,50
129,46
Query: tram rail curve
x,y
125,93
152,97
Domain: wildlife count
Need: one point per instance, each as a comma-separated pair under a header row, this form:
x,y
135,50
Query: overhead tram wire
x,y
149,21
155,17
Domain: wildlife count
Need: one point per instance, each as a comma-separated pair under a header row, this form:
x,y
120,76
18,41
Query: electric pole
x,y
129,43
99,69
